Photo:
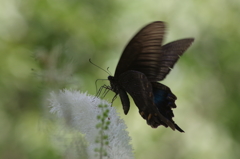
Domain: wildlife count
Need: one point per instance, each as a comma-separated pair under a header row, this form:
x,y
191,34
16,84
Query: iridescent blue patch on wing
x,y
159,96
160,100
164,100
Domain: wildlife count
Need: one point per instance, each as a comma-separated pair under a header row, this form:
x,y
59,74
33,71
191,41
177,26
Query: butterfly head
x,y
110,78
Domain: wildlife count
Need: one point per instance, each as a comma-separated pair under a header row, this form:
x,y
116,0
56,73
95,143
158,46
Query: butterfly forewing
x,y
143,52
170,54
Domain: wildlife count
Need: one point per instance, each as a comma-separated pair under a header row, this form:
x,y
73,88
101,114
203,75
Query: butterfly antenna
x,y
98,67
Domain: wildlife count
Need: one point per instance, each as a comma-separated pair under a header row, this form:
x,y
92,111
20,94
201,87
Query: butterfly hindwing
x,y
164,100
137,85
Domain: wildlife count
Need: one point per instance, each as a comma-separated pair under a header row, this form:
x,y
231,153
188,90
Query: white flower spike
x,y
80,112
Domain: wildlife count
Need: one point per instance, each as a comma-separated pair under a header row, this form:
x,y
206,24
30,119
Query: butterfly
x,y
142,64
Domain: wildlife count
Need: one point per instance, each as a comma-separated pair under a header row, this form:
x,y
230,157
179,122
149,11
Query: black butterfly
x,y
145,61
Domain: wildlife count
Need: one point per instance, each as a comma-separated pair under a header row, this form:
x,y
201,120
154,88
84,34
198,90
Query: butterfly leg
x,y
114,98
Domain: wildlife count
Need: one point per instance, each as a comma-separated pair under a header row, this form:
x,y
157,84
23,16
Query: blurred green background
x,y
45,45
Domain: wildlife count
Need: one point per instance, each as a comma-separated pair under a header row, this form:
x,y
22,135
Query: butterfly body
x,y
145,61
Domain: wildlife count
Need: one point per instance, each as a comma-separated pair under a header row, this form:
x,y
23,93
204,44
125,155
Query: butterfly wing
x,y
164,100
169,55
137,85
143,52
